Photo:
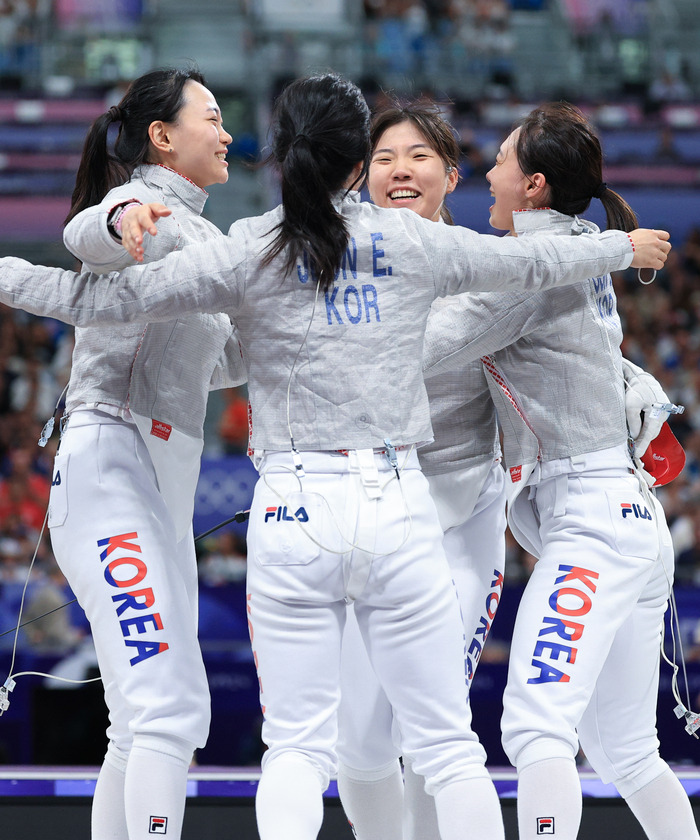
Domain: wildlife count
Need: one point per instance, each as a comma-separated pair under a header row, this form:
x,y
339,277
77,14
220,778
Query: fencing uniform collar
x,y
551,221
161,177
341,197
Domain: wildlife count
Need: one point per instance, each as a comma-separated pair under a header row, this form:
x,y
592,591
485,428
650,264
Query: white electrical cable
x,y
10,681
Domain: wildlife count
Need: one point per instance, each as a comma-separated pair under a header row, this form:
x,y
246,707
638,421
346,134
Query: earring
x,y
170,150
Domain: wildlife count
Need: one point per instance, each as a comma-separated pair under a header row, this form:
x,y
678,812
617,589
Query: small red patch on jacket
x,y
160,430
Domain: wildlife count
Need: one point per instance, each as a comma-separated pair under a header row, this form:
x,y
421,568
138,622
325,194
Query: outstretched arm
x,y
103,237
206,277
463,260
462,328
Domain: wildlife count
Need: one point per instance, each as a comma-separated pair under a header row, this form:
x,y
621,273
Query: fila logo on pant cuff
x,y
158,825
545,825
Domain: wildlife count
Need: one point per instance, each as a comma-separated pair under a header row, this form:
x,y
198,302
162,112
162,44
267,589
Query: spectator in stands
x,y
688,562
233,423
668,87
667,151
51,629
224,560
24,493
15,554
35,389
9,25
691,252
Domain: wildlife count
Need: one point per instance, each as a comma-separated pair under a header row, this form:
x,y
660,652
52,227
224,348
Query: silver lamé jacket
x,y
158,375
350,358
557,376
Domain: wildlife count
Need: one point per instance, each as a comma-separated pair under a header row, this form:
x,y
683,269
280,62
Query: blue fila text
x,y
280,514
639,511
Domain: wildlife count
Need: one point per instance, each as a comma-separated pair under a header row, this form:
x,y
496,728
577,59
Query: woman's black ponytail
x,y
158,95
320,132
557,140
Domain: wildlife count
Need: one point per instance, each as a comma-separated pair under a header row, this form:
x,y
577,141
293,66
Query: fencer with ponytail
x,y
158,95
320,132
557,140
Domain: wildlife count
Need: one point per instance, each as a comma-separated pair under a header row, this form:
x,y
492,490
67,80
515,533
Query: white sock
x,y
289,802
154,794
549,800
663,809
108,816
372,806
469,810
419,814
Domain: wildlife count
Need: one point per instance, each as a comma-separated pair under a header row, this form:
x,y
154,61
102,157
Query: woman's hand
x,y
138,220
651,248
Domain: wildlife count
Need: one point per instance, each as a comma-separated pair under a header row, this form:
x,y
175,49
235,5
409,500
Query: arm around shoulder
x,y
92,238
463,260
206,277
87,237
